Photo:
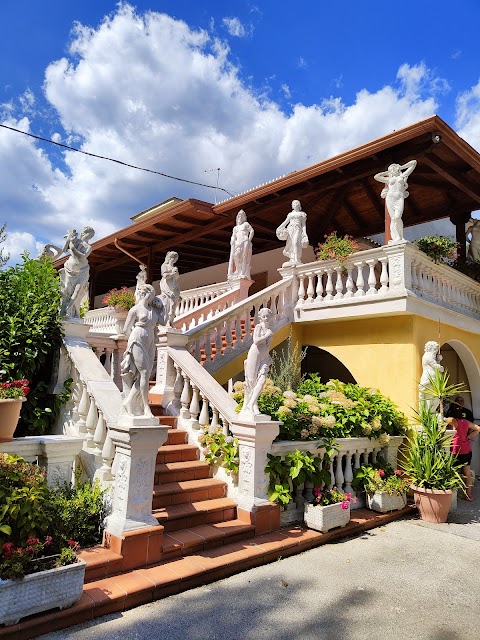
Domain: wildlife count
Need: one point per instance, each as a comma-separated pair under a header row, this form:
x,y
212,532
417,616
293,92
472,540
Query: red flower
x,y
48,541
32,541
398,472
381,473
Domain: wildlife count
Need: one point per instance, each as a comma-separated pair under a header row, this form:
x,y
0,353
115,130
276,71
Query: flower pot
x,y
9,416
382,502
58,587
433,504
325,518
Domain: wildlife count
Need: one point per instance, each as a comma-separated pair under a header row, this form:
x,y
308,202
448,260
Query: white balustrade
x,y
107,321
230,333
384,273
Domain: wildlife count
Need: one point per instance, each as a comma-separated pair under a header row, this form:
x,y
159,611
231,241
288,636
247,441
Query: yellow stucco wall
x,y
379,353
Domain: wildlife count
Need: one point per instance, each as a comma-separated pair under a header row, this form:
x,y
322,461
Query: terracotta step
x,y
207,536
101,562
181,471
193,514
188,491
177,453
176,436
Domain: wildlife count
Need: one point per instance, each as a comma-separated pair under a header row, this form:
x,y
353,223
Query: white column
x,y
255,441
166,373
136,441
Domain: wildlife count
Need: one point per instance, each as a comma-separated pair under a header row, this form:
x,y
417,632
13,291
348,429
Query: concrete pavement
x,y
406,580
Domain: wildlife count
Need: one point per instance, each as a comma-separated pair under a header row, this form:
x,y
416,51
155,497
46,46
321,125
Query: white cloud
x,y
286,90
468,115
301,63
235,27
179,105
18,243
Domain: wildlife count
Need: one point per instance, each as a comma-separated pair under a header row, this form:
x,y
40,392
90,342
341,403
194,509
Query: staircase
x,y
189,503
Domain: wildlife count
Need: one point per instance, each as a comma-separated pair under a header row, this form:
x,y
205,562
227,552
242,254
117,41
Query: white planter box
x,y
325,518
382,502
58,587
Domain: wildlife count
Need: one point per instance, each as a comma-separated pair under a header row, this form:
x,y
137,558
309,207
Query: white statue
x,y
137,362
141,281
75,272
241,248
169,286
395,192
430,363
294,231
472,229
257,363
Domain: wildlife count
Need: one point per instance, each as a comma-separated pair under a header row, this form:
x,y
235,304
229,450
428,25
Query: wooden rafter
x,y
459,181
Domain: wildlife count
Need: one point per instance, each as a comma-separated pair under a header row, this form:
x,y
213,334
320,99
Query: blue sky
x,y
255,88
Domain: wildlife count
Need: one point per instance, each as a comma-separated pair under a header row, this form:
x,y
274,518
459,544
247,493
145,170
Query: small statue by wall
x,y
75,272
137,362
294,231
141,281
472,229
241,248
430,363
395,192
257,363
169,286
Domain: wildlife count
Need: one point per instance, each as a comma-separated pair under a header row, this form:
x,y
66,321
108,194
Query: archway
x,y
461,365
326,365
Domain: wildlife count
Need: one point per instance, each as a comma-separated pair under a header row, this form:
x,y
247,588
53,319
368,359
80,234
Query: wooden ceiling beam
x,y
353,214
375,200
455,178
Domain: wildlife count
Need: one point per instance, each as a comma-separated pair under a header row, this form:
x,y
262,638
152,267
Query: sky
x,y
182,87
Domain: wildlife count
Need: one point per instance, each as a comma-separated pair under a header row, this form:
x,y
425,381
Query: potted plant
x,y
329,508
32,580
336,248
386,489
438,248
120,299
12,395
431,468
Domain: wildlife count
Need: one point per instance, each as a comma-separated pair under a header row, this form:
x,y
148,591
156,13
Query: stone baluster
x,y
218,341
383,276
186,397
374,456
105,473
204,419
100,434
108,362
91,421
83,406
308,492
194,407
229,336
348,472
372,278
329,285
301,290
310,288
214,423
330,470
339,282
238,329
319,290
339,477
175,403
208,347
360,284
298,496
349,283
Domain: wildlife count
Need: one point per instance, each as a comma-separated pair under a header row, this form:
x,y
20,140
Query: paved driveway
x,y
407,580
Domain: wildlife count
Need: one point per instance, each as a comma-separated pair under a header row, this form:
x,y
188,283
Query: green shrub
x,y
79,512
24,501
30,335
438,248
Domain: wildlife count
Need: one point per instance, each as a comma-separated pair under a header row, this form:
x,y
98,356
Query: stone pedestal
x,y
162,391
255,439
243,285
136,441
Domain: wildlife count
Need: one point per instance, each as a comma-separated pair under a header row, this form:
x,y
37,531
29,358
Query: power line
x,y
125,164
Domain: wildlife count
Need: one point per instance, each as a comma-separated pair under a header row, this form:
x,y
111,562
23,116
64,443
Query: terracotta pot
x,y
433,505
9,415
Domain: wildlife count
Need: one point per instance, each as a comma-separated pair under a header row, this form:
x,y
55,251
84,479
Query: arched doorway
x,y
326,365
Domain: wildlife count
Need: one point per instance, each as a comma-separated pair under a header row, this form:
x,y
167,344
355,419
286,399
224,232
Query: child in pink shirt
x,y
464,432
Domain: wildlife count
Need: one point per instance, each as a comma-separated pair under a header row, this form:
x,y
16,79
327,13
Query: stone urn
x,y
9,416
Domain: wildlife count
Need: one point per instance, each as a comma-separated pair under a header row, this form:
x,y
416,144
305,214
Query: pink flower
x,y
345,504
381,473
48,541
32,541
398,472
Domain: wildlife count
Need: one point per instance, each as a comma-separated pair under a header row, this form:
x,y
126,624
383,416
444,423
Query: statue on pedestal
x,y
430,363
141,280
75,272
294,231
137,362
169,286
257,363
395,192
472,229
241,248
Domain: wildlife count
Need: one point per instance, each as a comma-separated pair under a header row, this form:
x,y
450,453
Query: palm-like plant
x,y
438,388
